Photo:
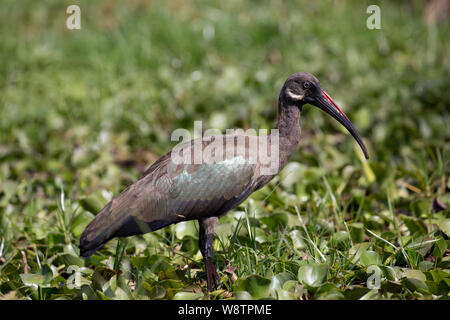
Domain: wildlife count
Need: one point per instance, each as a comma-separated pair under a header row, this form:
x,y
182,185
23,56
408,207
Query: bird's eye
x,y
306,85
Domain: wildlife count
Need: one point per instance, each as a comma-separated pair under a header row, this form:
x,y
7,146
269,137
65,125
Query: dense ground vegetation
x,y
84,112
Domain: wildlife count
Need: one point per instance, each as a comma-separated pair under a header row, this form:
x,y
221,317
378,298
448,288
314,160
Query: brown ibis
x,y
172,191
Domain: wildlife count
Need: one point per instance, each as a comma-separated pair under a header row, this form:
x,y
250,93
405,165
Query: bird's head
x,y
303,88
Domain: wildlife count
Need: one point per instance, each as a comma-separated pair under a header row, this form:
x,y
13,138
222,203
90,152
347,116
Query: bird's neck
x,y
288,126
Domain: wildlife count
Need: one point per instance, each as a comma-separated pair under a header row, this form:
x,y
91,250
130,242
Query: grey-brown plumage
x,y
171,191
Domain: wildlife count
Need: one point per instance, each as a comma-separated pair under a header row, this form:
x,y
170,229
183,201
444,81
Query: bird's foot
x,y
212,278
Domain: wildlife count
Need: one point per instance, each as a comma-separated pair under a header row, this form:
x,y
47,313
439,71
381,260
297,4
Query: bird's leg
x,y
205,241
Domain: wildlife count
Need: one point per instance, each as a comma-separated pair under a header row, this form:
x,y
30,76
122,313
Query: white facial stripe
x,y
295,97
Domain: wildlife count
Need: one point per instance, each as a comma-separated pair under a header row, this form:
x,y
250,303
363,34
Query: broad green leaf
x,y
186,228
415,274
294,287
358,249
391,286
414,284
370,295
243,295
414,280
187,296
368,258
313,275
415,225
92,203
70,260
375,222
440,248
389,272
41,278
152,291
357,232
329,291
297,239
281,294
79,222
444,225
257,286
278,281
292,173
103,296
340,238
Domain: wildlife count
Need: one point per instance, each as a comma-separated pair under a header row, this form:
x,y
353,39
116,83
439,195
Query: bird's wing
x,y
174,192
170,191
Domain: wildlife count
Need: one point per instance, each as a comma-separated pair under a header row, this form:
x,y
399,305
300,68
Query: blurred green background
x,y
84,112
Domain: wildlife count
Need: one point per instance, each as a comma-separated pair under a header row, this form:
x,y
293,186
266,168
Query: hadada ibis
x,y
171,191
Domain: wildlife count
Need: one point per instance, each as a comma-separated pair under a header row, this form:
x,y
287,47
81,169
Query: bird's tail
x,y
105,226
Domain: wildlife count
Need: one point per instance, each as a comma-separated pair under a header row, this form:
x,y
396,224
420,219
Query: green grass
x,y
82,113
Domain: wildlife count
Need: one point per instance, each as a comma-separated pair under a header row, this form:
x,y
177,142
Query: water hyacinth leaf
x,y
278,281
243,295
101,276
171,286
257,286
438,275
415,225
313,275
389,273
158,263
151,291
425,265
329,291
414,280
340,238
375,222
354,292
357,231
69,260
444,263
297,239
140,262
368,258
189,245
186,228
187,296
414,274
92,203
358,249
79,222
157,292
291,174
444,225
121,294
440,248
370,295
42,278
260,235
294,287
441,288
391,286
414,284
290,284
103,296
281,294
421,207
71,249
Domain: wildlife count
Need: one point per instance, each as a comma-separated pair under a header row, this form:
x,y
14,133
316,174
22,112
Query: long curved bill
x,y
327,104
